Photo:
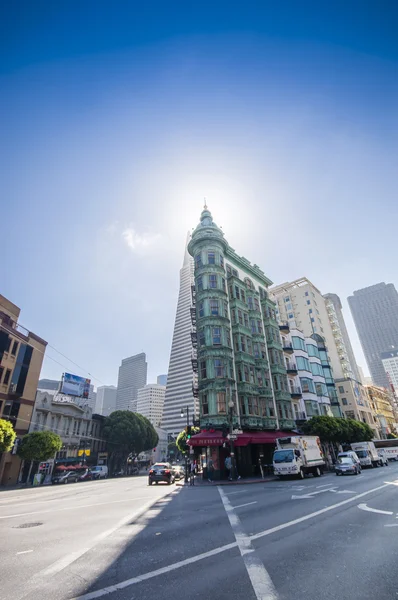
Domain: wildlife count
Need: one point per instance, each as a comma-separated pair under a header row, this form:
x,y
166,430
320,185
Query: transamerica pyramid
x,y
180,377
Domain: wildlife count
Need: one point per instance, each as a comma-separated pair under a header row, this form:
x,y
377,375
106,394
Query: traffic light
x,y
189,429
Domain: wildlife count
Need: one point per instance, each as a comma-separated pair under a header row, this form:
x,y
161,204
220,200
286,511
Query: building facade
x,y
150,402
383,403
242,378
342,339
301,305
390,366
106,400
21,358
132,377
161,379
310,375
181,379
355,404
375,313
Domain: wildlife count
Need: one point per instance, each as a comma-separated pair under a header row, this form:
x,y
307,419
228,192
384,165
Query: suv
x,y
99,472
353,455
161,472
65,477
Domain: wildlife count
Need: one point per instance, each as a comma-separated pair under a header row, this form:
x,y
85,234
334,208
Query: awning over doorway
x,y
215,438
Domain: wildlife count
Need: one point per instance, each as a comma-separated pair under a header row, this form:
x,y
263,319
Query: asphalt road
x,y
317,539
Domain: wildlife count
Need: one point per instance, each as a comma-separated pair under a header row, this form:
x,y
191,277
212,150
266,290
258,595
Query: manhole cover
x,y
26,525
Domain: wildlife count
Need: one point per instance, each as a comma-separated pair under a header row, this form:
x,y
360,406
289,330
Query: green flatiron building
x,y
238,354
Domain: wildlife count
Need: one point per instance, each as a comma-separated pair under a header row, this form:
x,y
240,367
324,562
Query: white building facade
x,y
390,364
132,377
150,402
180,378
106,400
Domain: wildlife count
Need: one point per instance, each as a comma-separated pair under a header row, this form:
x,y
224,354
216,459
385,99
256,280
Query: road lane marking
x,y
219,550
392,525
246,504
65,561
258,574
261,534
24,552
374,510
325,485
74,507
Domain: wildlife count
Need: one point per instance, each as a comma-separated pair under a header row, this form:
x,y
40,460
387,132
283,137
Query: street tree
x,y
7,436
338,430
128,434
182,439
39,446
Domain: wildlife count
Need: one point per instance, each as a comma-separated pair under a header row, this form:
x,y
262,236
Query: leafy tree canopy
x,y
182,439
335,429
7,436
129,433
39,445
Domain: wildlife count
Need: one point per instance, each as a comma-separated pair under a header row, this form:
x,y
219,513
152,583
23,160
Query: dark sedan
x,y
161,472
66,477
346,466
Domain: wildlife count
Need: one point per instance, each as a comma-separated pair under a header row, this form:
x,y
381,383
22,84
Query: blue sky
x,y
118,119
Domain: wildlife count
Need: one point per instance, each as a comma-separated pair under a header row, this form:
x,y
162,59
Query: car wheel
x,y
386,465
156,482
317,472
337,474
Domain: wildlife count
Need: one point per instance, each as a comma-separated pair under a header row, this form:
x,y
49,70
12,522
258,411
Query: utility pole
x,y
231,406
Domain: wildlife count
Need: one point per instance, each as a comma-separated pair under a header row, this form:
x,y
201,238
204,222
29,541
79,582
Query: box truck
x,y
298,455
367,454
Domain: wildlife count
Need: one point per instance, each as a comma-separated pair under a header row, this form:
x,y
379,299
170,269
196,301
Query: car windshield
x,y
281,456
361,453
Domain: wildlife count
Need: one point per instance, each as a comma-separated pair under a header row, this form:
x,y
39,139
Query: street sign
x,y
83,452
237,431
232,437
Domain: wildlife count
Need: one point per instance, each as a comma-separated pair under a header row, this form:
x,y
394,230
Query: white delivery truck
x,y
298,456
367,454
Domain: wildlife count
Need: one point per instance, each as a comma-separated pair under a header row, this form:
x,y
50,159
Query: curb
x,y
217,483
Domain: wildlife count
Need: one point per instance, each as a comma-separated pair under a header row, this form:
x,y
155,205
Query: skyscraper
x,y
341,337
106,400
150,401
180,376
161,379
375,313
132,377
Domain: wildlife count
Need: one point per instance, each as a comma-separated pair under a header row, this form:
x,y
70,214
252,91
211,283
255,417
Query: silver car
x,y
346,466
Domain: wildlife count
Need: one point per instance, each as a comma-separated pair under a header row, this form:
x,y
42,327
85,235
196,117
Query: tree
x,y
7,436
338,430
182,439
128,433
39,446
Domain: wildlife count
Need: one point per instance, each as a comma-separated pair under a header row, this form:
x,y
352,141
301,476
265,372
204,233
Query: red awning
x,y
215,438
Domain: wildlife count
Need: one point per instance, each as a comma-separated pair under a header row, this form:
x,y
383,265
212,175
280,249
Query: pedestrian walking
x,y
228,466
210,470
192,474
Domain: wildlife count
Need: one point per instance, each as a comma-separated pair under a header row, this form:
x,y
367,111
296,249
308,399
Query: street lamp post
x,y
231,437
186,457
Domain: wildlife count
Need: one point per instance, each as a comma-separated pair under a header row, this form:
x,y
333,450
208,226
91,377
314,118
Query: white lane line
x,y
65,561
24,552
151,574
219,550
246,504
392,525
261,534
74,507
325,485
258,574
374,510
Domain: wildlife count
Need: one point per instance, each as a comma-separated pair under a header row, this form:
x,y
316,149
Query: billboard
x,y
72,385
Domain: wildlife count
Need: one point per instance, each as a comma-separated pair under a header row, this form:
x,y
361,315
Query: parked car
x,y
353,455
383,459
346,466
85,475
179,472
99,472
66,477
161,472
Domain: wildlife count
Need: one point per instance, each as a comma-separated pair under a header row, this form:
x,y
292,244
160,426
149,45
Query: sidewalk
x,y
199,481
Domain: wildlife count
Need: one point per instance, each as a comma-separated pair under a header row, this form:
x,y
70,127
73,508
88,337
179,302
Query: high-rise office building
x,y
375,313
302,306
161,379
106,400
132,377
150,401
180,377
390,365
343,343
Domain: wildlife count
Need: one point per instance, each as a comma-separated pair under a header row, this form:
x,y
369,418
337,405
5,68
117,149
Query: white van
x,y
99,472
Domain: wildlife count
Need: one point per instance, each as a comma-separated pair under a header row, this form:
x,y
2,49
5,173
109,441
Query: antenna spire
x,y
205,204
